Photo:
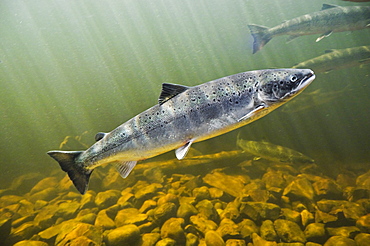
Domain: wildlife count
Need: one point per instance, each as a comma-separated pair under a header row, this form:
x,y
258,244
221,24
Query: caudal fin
x,y
260,36
78,174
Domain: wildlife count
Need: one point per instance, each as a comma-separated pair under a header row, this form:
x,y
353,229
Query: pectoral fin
x,y
364,61
183,150
327,34
125,168
291,37
252,113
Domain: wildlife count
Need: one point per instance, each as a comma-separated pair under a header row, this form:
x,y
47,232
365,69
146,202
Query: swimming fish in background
x,y
185,115
337,59
331,18
358,1
272,152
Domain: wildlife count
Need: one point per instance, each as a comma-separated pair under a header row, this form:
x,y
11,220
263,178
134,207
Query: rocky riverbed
x,y
251,203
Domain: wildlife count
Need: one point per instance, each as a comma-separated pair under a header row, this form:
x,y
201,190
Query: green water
x,y
68,67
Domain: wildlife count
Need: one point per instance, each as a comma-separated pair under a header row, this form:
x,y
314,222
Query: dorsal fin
x,y
169,91
99,136
328,6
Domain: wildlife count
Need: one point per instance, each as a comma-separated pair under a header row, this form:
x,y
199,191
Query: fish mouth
x,y
304,82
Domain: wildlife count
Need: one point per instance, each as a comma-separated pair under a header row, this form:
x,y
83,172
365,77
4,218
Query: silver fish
x,y
331,18
185,115
272,152
338,59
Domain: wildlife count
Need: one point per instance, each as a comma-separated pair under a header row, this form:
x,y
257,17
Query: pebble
x,y
214,239
340,241
173,228
289,231
124,235
278,206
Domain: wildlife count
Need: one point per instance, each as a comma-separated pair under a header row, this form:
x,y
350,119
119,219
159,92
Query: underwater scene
x,y
183,122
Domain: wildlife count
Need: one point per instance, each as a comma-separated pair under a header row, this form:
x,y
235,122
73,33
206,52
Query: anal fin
x,y
124,168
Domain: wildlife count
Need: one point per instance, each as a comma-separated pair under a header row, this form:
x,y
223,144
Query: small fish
x,y
331,18
272,152
338,59
185,115
357,1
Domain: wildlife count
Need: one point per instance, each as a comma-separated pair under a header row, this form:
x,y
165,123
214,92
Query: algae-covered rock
x,y
124,235
107,198
213,238
166,242
168,198
307,217
192,240
268,231
327,188
5,227
228,229
186,210
231,211
206,209
30,243
23,232
345,231
340,241
164,212
201,193
130,216
235,242
363,223
299,188
44,184
104,221
260,210
45,194
289,231
291,215
148,191
24,182
201,224
173,228
70,231
362,239
226,183
315,232
149,239
258,241
246,228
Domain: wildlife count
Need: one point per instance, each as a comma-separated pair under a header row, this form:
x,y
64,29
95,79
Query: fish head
x,y
280,85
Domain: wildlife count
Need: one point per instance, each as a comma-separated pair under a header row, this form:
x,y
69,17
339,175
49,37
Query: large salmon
x,y
185,115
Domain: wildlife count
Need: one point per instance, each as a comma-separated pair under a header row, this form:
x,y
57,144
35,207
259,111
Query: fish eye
x,y
293,78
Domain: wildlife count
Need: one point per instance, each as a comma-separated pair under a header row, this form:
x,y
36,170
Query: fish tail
x,y
78,174
260,36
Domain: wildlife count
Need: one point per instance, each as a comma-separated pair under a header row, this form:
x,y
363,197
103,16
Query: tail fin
x,y
78,174
260,36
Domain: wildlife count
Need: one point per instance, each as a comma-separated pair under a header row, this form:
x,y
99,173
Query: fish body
x,y
338,59
185,115
331,18
272,152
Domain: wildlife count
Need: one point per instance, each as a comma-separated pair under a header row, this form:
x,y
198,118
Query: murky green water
x,y
75,68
